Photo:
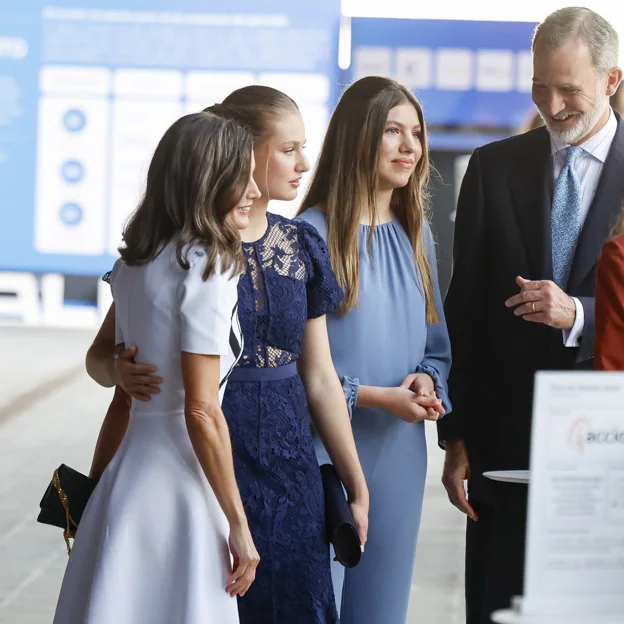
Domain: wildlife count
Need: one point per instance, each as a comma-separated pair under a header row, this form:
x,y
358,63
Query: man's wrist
x,y
572,336
453,445
571,314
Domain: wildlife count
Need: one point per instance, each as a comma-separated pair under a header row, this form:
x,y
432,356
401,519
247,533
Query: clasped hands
x,y
414,400
542,301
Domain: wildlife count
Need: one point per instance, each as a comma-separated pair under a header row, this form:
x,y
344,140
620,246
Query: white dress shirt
x,y
588,167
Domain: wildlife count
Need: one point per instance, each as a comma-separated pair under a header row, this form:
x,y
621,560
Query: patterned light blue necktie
x,y
566,218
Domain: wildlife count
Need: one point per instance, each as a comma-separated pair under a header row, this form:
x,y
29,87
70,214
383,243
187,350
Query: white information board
x,y
575,539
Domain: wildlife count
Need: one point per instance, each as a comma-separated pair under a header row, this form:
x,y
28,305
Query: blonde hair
x,y
257,108
346,179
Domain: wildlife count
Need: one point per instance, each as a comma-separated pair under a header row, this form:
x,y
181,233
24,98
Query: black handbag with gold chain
x,y
65,500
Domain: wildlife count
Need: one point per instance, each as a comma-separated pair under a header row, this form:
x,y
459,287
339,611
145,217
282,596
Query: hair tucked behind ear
x,y
198,174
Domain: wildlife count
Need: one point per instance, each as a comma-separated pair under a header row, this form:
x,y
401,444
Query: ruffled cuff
x,y
440,388
351,388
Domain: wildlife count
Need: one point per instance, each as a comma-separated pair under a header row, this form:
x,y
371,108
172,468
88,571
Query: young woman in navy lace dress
x,y
284,377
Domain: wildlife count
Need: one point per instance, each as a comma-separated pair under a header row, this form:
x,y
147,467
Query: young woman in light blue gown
x,y
368,200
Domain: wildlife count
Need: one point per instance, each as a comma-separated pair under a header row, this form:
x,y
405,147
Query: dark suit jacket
x,y
503,230
609,342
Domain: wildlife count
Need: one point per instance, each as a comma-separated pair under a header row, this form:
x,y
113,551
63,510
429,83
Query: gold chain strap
x,y
67,533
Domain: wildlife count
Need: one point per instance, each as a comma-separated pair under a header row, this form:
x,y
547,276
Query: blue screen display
x,y
86,92
465,73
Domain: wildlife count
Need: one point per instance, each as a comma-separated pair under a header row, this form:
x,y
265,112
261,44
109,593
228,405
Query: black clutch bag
x,y
65,500
341,530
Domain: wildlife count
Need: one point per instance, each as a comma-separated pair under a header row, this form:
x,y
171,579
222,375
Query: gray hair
x,y
585,25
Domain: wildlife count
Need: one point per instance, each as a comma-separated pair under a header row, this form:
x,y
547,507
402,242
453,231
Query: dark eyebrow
x,y
398,123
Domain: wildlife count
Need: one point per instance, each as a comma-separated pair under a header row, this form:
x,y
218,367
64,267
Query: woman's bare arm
x,y
330,416
112,432
100,360
210,437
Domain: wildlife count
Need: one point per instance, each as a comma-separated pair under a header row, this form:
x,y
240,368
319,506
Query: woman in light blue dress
x,y
388,339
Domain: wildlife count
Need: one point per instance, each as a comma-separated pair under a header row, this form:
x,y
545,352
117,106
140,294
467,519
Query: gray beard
x,y
583,125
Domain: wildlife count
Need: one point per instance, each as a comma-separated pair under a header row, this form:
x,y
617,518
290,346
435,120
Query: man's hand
x,y
542,301
456,471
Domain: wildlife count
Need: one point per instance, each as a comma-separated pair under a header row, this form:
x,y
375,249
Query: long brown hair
x,y
346,179
198,174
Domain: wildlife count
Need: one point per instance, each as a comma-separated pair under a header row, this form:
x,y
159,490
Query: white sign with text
x,y
575,529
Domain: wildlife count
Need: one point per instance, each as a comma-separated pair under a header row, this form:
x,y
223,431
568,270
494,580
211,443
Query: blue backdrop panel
x,y
280,37
465,73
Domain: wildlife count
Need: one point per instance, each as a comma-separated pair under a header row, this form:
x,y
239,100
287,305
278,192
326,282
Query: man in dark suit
x,y
533,213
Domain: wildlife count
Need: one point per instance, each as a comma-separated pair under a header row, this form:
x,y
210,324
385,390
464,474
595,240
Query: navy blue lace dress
x,y
288,280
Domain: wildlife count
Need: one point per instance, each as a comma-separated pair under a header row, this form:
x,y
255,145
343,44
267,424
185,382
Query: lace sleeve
x,y
323,291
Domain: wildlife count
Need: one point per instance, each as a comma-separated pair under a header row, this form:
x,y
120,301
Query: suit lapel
x,y
530,185
603,211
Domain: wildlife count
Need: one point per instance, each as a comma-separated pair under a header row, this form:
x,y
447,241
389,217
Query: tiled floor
x,y
39,430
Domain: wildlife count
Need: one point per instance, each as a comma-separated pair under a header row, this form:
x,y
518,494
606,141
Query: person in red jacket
x,y
609,338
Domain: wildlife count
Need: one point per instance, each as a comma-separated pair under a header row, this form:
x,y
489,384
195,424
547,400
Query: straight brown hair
x,y
346,179
197,176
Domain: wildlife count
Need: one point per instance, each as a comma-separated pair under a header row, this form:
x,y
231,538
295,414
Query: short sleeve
x,y
323,291
206,308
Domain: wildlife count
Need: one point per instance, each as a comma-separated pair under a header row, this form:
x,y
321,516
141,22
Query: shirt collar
x,y
598,146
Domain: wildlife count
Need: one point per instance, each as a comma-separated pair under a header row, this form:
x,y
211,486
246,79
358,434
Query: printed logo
x,y
576,434
581,435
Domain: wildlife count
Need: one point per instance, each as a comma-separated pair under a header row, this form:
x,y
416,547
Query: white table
x,y
509,616
509,476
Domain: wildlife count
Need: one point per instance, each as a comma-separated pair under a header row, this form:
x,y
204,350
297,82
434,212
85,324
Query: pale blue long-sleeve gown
x,y
381,341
